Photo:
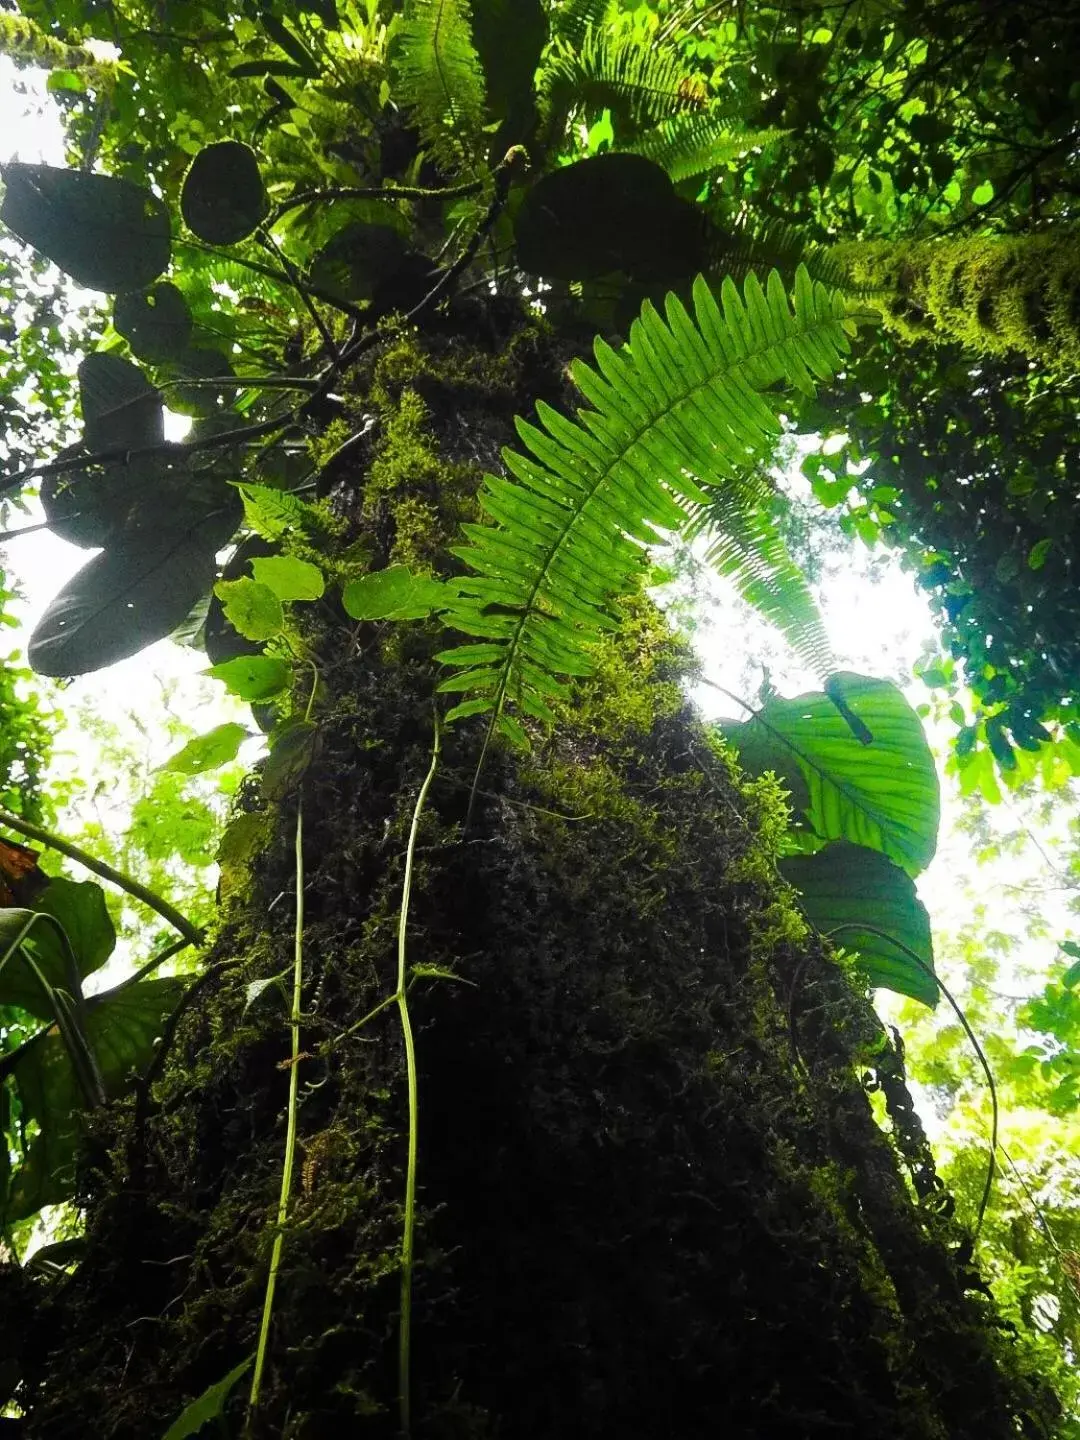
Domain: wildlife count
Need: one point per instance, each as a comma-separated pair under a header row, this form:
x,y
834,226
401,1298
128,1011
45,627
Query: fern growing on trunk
x,y
676,415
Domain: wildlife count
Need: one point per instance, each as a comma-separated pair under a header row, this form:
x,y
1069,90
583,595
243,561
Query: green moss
x,y
994,295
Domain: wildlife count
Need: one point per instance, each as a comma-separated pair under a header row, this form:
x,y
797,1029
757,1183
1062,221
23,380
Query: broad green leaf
x,y
156,323
209,1406
126,598
106,233
207,752
845,888
122,1026
883,795
252,609
291,752
223,199
79,907
395,594
254,677
289,577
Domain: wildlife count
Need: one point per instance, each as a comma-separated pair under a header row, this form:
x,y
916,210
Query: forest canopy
x,y
414,329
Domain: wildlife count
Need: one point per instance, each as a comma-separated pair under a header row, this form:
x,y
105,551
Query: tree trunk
x,y
651,1201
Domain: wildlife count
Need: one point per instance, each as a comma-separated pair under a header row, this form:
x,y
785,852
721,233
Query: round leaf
x,y
156,323
223,198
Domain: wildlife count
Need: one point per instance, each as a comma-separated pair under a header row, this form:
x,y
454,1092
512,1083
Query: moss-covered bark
x,y
642,1215
993,295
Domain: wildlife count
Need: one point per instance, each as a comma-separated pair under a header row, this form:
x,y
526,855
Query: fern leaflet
x,y
609,69
678,417
691,142
440,79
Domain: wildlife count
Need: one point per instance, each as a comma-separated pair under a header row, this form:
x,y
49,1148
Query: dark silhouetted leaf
x,y
106,233
156,323
223,199
126,598
610,212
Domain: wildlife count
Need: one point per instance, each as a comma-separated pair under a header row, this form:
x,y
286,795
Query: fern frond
x,y
573,19
693,142
617,71
678,415
751,246
440,79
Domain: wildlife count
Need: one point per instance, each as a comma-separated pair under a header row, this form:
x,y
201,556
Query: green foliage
x,y
440,80
209,751
683,399
106,233
209,1406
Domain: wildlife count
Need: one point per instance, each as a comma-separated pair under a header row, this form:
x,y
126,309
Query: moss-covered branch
x,y
992,295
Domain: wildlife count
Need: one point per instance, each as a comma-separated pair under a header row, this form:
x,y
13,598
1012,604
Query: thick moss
x,y
642,1214
994,295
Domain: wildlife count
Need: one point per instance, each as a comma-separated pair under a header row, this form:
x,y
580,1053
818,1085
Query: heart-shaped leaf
x,y
106,233
289,577
254,677
395,594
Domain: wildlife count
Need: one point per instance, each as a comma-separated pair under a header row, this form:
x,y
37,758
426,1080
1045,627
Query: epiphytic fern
x,y
573,19
616,70
678,414
740,249
693,142
439,78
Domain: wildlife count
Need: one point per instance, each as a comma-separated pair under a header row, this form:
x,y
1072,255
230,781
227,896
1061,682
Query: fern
x,y
693,142
440,80
750,246
679,416
573,20
618,71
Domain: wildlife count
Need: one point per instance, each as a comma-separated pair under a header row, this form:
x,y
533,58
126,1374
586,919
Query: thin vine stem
x,y
191,933
289,1162
980,1053
401,996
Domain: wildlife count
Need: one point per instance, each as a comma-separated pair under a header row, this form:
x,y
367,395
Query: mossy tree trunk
x,y
995,296
642,1214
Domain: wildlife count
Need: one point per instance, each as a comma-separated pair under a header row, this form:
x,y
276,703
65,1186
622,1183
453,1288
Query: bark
x,y
652,1203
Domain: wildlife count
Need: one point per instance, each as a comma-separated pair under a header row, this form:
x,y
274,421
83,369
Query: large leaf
x,y
883,794
106,233
130,595
121,410
609,212
223,198
675,414
79,907
119,405
845,888
156,323
122,1026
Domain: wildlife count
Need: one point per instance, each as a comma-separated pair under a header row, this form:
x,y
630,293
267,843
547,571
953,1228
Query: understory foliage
x,y
517,1091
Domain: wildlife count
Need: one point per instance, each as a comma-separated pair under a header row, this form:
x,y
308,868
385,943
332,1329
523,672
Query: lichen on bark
x,y
642,1214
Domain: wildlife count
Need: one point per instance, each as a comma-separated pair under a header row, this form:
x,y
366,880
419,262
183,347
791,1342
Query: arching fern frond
x,y
572,20
440,80
678,415
750,245
616,70
692,142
